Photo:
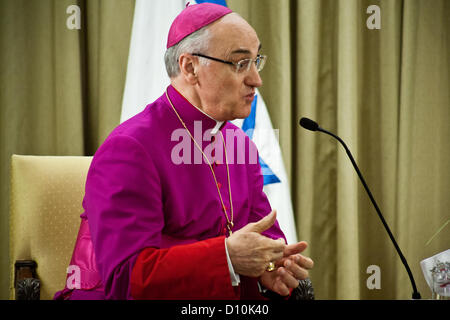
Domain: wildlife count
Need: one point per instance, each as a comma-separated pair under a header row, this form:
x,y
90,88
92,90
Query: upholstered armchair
x,y
45,205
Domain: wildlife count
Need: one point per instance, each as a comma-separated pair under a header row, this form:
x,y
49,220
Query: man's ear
x,y
188,65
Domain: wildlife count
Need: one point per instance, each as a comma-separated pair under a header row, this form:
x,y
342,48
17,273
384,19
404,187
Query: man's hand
x,y
250,252
291,268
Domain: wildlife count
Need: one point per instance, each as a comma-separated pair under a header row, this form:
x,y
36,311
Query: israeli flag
x,y
147,78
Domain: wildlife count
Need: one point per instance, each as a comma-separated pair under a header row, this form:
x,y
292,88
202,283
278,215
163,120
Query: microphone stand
x,y
416,294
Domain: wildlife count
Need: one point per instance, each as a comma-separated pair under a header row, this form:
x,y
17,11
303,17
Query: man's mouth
x,y
250,96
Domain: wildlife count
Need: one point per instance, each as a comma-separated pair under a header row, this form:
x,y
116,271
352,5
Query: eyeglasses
x,y
242,65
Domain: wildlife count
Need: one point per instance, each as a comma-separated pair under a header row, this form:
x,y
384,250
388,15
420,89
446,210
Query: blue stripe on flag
x,y
221,2
248,126
269,176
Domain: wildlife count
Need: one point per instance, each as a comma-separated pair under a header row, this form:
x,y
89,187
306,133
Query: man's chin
x,y
245,112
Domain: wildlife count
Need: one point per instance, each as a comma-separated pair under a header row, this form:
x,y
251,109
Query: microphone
x,y
313,126
309,124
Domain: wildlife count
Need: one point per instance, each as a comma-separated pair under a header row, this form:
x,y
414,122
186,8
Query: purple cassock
x,y
148,186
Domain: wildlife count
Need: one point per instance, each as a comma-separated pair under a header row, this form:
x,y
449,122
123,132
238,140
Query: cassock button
x,y
219,184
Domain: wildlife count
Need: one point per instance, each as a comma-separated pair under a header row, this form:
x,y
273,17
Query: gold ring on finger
x,y
271,266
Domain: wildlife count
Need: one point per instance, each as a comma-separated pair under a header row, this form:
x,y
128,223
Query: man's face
x,y
225,94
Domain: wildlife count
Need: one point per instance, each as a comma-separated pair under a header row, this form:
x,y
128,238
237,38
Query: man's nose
x,y
253,79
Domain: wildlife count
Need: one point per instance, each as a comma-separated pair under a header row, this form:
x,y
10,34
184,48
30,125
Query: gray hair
x,y
197,41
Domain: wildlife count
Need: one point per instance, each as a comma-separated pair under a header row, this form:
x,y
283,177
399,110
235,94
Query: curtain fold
x,y
61,89
386,93
424,144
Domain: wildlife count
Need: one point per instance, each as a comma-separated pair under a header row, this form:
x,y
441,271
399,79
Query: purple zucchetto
x,y
193,18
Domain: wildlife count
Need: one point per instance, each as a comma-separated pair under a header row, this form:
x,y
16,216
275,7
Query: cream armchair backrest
x,y
45,207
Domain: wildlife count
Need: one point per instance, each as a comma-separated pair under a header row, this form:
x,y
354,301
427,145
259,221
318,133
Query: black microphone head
x,y
309,124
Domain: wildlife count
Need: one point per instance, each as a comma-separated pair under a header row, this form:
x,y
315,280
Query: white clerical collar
x,y
218,123
217,127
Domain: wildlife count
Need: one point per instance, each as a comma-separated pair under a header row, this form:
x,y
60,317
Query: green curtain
x,y
61,89
385,92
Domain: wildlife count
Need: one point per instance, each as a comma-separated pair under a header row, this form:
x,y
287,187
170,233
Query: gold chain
x,y
230,224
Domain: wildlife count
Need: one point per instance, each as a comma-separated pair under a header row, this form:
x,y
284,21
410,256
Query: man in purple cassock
x,y
173,206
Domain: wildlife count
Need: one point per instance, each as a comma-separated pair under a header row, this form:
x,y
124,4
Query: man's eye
x,y
243,64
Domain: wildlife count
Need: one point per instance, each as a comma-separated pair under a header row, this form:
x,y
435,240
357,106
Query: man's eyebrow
x,y
240,51
244,51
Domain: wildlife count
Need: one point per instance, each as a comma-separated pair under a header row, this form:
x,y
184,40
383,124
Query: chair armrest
x,y
26,283
304,291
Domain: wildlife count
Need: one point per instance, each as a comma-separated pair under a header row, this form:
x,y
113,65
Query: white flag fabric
x,y
147,79
276,184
